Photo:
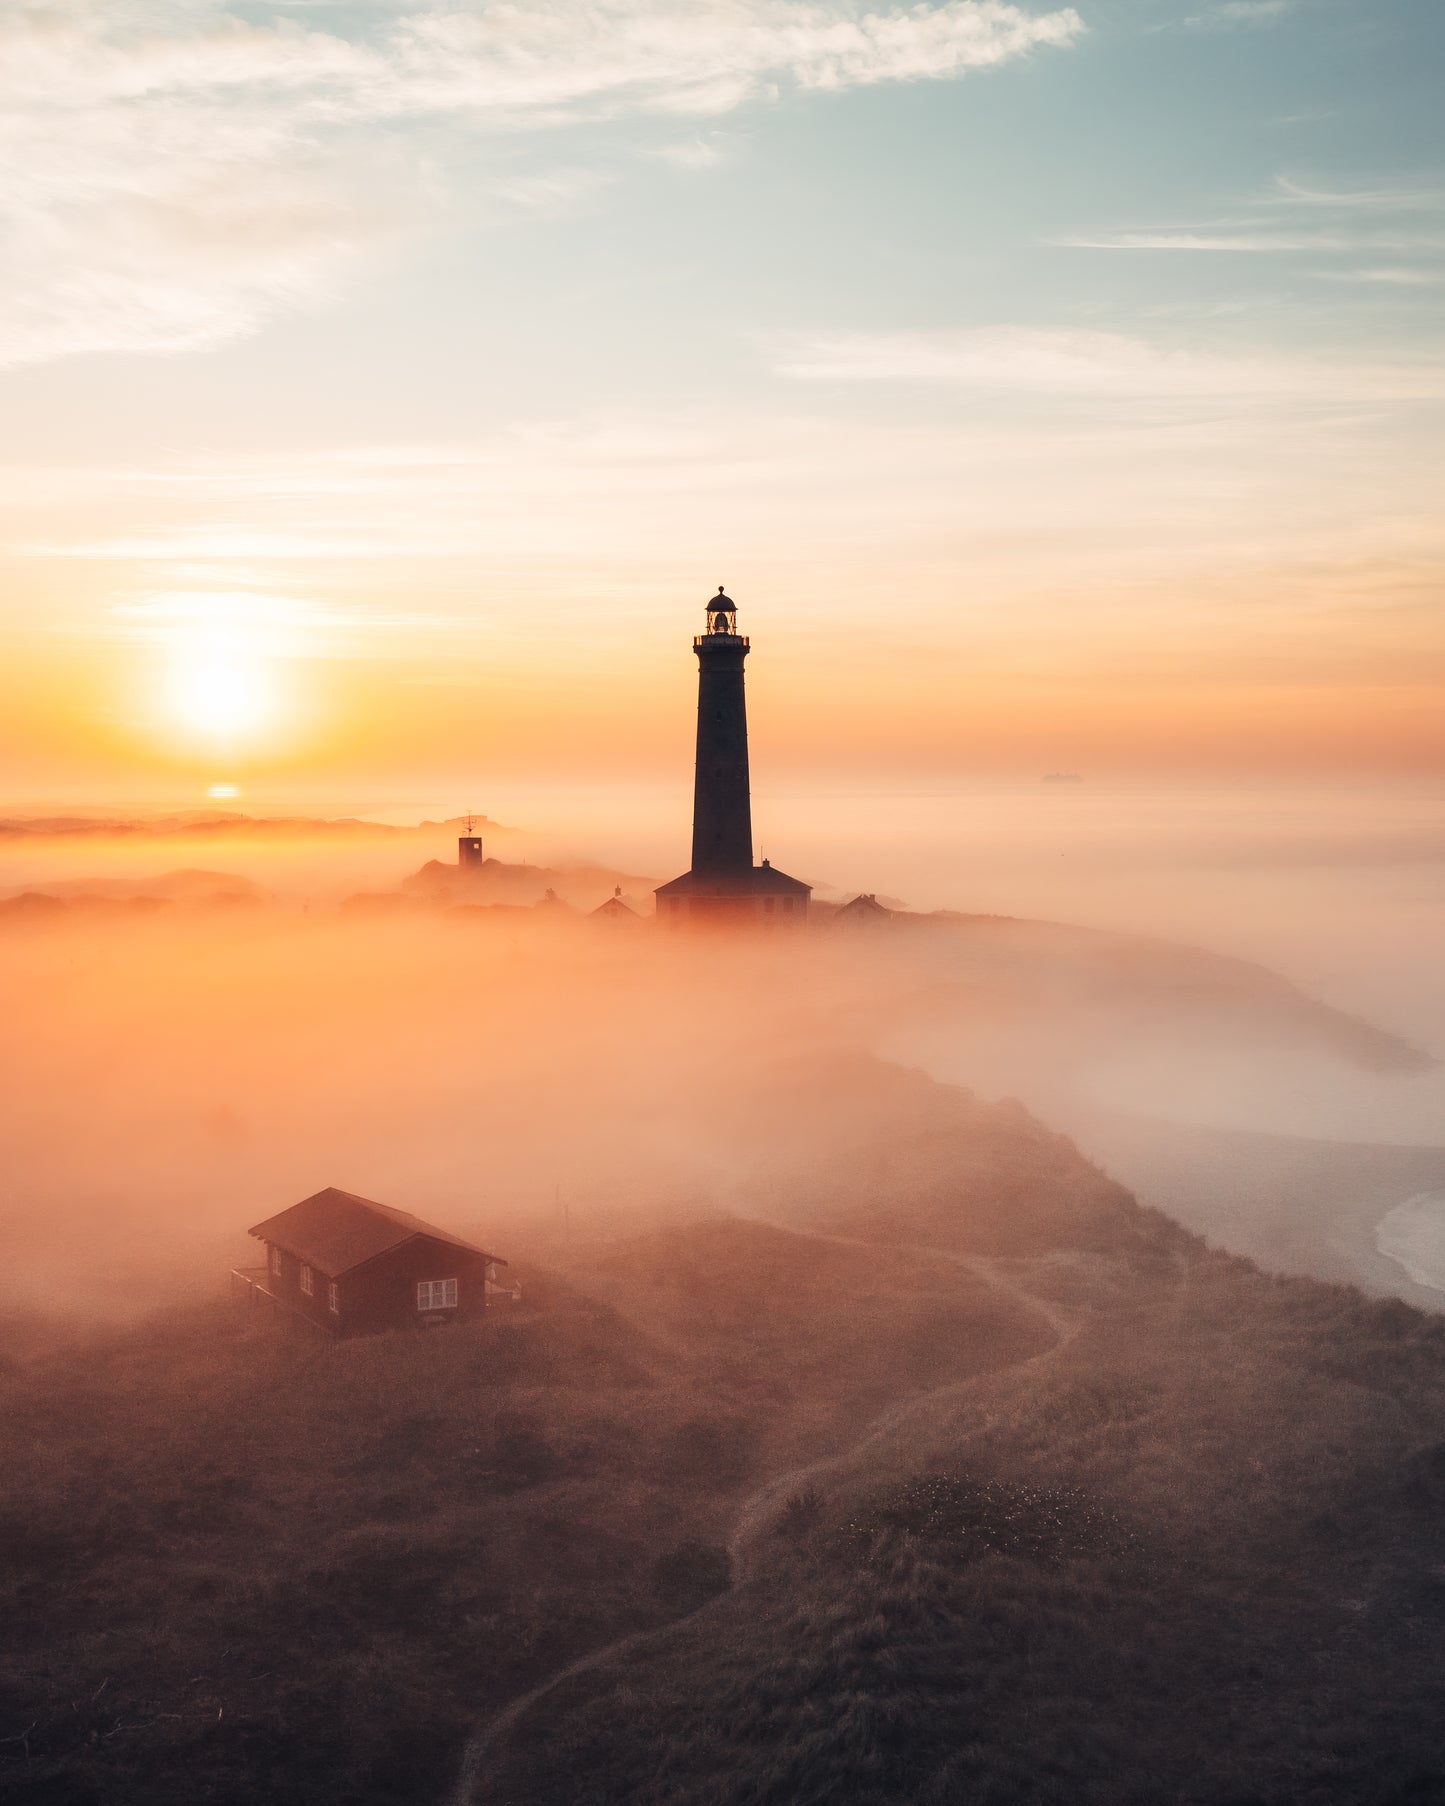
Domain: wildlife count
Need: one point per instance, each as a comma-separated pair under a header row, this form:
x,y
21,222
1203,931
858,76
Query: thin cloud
x,y
1102,365
1234,13
1184,239
690,153
1144,480
550,191
178,172
1388,224
1400,199
274,624
1386,277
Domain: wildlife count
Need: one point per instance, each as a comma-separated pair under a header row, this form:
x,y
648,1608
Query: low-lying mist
x,y
824,1376
174,1072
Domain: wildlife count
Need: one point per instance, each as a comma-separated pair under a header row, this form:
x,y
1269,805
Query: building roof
x,y
335,1231
759,880
866,906
616,909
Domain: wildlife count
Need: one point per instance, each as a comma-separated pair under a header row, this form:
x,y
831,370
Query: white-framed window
x,y
308,1281
333,1298
436,1294
275,1261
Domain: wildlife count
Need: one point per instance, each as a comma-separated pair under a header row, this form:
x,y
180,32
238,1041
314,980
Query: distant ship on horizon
x,y
1063,777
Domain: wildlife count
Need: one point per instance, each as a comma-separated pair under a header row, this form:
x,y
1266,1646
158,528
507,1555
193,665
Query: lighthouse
x,y
723,884
722,804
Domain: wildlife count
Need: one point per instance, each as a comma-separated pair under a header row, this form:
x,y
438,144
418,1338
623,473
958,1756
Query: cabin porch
x,y
251,1284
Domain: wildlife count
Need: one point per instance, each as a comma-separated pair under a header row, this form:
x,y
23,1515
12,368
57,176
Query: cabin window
x,y
275,1260
333,1298
308,1281
436,1294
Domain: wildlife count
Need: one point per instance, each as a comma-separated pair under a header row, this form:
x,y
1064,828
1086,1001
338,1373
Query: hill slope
x,y
960,1476
1193,1552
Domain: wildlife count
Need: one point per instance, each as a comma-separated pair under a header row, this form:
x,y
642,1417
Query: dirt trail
x,y
760,1507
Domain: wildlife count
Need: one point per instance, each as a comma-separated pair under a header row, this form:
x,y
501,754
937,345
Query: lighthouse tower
x,y
724,884
722,804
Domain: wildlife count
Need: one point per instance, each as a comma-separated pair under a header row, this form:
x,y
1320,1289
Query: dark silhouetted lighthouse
x,y
722,805
724,884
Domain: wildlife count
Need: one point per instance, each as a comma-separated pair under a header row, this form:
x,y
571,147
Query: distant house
x,y
863,911
352,1267
615,909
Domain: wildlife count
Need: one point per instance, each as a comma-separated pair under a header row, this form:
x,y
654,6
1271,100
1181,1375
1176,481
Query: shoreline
x,y
1412,1235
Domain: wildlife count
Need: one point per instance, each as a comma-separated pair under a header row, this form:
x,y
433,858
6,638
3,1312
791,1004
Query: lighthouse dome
x,y
721,604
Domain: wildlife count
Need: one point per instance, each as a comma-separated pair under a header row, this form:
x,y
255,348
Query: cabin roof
x,y
335,1231
758,880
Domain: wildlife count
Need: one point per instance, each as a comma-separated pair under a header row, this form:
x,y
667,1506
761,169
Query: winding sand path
x,y
761,1506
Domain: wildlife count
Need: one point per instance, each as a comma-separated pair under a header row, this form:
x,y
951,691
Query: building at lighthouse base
x,y
758,896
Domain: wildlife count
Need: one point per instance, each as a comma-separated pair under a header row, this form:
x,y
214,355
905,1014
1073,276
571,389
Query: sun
x,y
230,698
221,656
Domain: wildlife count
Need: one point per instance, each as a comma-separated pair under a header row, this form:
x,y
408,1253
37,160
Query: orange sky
x,y
380,420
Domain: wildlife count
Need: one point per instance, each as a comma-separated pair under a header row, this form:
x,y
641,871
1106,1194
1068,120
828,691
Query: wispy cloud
x,y
1401,226
1168,473
1183,238
1103,365
691,153
549,191
1228,14
1386,276
1398,198
271,623
178,171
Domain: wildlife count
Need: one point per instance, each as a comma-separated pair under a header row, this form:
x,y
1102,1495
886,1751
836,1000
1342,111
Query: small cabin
x,y
352,1267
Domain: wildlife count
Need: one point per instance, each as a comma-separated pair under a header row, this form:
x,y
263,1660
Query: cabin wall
x,y
287,1286
382,1294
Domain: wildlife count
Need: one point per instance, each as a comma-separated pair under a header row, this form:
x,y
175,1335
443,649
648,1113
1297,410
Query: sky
x,y
384,389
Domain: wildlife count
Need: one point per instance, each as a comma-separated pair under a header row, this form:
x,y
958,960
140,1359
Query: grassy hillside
x,y
1194,1554
958,1478
242,1565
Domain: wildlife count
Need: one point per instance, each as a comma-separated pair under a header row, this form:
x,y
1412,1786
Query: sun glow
x,y
221,661
222,699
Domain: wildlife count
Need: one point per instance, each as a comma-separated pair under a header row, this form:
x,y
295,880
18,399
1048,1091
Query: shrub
x,y
708,1451
691,1574
522,1456
801,1514
385,1579
968,1517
